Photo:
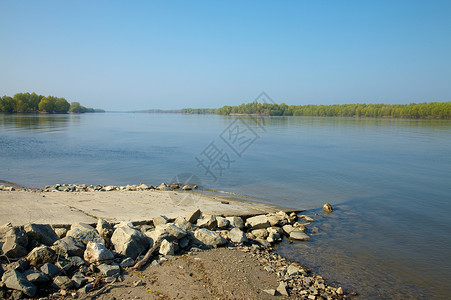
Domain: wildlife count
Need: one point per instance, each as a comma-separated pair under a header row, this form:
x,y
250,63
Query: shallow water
x,y
390,180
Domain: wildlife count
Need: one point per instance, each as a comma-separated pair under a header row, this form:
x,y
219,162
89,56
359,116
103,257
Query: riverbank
x,y
190,255
66,204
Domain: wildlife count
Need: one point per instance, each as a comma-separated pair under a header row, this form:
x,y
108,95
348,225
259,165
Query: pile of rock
x,y
38,260
105,188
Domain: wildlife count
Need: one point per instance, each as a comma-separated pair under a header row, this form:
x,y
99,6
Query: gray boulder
x,y
69,246
12,249
222,222
79,280
160,220
209,238
175,231
193,216
17,281
236,222
109,270
43,234
129,241
258,222
299,235
85,233
40,256
50,269
260,233
97,252
236,235
278,219
37,278
104,229
208,222
167,248
63,282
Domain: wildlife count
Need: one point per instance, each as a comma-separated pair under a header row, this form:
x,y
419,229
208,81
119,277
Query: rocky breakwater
x,y
82,260
104,188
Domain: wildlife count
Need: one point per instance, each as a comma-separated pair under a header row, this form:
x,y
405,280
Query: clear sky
x,y
128,55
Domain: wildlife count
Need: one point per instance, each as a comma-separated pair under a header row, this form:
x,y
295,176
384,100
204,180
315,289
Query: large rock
x,y
63,282
4,229
97,252
104,229
258,222
208,222
109,270
236,235
43,234
278,219
158,235
193,216
41,255
69,246
17,281
50,269
260,233
13,247
85,233
236,222
209,238
222,222
299,235
160,220
167,248
175,231
37,278
129,241
288,228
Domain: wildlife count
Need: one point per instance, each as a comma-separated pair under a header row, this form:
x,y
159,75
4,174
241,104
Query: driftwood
x,y
146,257
99,291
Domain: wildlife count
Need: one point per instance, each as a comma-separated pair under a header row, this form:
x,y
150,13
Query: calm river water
x,y
389,180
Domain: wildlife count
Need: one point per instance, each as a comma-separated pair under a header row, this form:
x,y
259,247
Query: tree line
x,y
431,110
33,103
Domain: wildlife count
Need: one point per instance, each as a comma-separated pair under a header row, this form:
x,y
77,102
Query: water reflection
x,y
37,122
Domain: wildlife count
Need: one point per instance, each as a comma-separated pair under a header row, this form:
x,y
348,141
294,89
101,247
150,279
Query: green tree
x,y
47,104
7,104
61,106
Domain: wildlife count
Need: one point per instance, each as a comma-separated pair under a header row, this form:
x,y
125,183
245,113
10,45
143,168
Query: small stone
x,y
60,232
271,292
208,222
222,222
306,218
327,208
126,263
340,291
79,280
109,270
282,289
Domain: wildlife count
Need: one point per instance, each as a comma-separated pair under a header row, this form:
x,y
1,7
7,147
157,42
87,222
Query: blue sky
x,y
127,55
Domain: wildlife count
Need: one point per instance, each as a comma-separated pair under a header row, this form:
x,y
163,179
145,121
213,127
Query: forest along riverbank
x,y
83,261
